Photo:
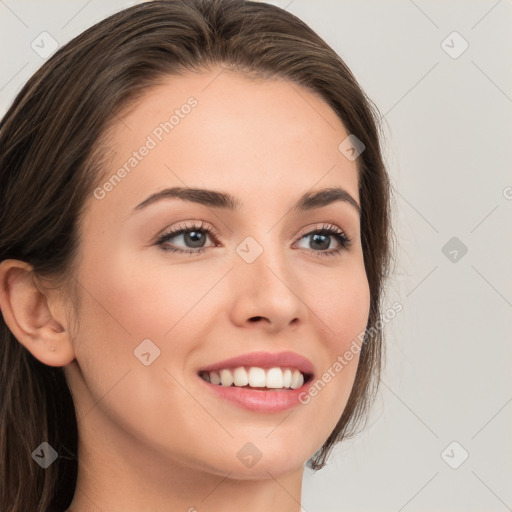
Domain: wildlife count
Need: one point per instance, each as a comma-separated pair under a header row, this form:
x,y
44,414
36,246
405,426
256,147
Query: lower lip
x,y
258,399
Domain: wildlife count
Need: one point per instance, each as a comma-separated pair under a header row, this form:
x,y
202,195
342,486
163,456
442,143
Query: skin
x,y
150,437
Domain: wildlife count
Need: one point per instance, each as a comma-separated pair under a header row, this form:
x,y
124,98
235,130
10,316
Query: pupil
x,y
324,237
195,238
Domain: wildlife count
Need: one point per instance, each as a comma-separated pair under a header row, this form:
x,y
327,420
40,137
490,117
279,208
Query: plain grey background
x,y
439,436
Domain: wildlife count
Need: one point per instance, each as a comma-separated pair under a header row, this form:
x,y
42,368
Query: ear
x,y
35,317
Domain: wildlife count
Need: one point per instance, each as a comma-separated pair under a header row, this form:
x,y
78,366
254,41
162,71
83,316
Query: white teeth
x,y
274,378
255,377
240,377
226,378
287,378
297,379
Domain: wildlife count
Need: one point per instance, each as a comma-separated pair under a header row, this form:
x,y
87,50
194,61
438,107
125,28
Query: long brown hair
x,y
51,155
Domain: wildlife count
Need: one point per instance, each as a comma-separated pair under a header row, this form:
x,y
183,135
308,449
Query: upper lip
x,y
265,360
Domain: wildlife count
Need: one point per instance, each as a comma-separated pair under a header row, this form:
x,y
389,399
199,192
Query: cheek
x,y
143,298
343,305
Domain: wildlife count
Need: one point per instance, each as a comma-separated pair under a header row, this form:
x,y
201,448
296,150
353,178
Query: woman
x,y
194,238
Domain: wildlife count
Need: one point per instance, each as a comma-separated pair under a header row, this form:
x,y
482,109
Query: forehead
x,y
222,130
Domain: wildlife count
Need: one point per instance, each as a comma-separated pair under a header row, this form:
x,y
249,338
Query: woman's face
x,y
266,278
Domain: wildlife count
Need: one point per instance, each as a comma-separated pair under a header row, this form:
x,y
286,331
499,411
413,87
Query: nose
x,y
265,293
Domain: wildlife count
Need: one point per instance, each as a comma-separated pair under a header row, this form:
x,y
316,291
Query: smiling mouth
x,y
256,378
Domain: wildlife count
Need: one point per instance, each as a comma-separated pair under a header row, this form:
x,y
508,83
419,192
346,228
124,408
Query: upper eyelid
x,y
197,225
320,227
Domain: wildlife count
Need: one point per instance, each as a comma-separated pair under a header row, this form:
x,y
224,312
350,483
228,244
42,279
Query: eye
x,y
194,235
321,237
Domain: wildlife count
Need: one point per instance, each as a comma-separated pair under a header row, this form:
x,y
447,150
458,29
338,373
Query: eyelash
x,y
344,241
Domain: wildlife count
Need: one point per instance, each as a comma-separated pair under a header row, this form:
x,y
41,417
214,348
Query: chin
x,y
249,463
268,469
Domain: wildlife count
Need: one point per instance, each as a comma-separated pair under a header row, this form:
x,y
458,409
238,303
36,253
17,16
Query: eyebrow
x,y
215,199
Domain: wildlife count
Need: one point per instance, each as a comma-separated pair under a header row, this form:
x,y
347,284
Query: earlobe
x,y
30,314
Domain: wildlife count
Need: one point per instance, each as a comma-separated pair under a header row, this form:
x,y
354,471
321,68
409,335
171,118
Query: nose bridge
x,y
262,255
264,275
